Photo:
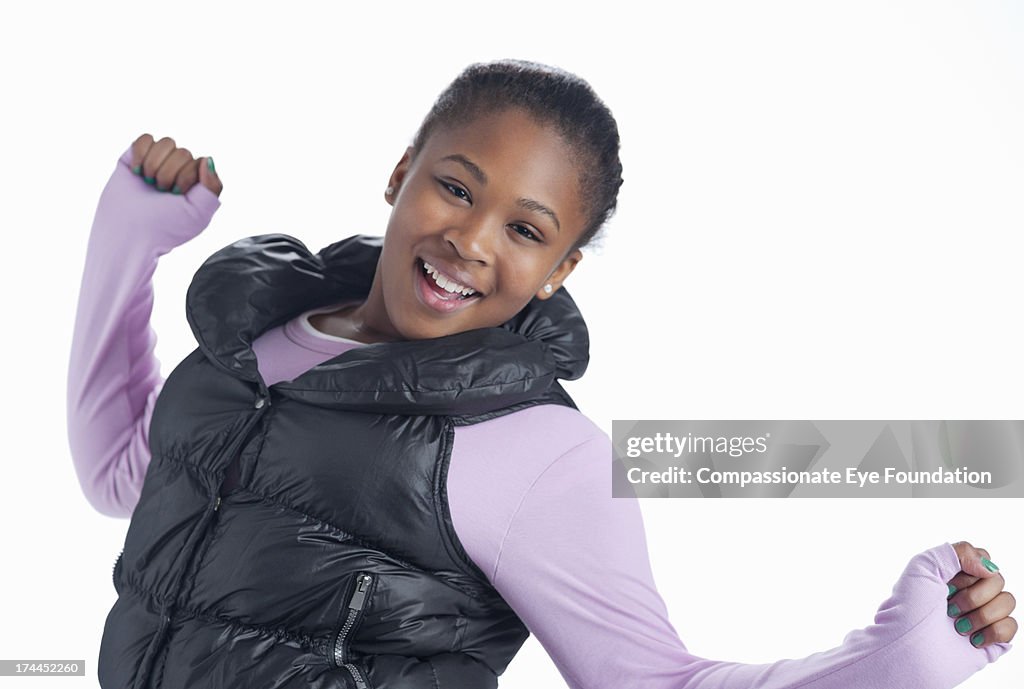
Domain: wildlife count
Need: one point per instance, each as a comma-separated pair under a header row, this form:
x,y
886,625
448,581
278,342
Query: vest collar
x,y
261,282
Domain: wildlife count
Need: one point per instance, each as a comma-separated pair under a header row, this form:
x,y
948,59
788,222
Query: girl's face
x,y
484,216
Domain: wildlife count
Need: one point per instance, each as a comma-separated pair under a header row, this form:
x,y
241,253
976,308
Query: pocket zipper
x,y
355,607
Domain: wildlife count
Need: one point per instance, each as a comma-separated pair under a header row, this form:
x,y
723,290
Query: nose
x,y
472,238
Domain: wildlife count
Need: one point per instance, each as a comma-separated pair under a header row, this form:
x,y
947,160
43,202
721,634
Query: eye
x,y
455,190
526,232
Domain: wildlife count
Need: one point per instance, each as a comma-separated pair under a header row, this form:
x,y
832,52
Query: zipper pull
x,y
216,505
359,595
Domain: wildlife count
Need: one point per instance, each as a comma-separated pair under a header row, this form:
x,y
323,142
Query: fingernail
x,y
952,589
989,565
176,190
977,639
137,169
963,625
209,164
952,610
150,180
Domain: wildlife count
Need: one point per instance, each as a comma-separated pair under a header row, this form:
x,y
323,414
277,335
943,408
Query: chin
x,y
416,327
415,321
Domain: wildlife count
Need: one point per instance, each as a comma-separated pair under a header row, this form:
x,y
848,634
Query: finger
x,y
975,561
187,177
155,157
996,609
169,169
140,147
960,582
208,176
1000,632
975,596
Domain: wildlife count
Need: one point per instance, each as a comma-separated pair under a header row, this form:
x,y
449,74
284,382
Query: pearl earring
x,y
389,191
547,288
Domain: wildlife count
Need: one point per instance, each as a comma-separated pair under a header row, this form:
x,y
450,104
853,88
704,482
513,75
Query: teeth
x,y
447,285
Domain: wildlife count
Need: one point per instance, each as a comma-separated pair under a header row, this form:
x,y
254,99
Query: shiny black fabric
x,y
332,560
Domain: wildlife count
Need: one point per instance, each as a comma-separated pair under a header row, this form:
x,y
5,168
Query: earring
x,y
389,191
547,288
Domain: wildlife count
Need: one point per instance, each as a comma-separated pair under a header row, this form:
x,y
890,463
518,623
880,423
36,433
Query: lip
x,y
432,296
451,272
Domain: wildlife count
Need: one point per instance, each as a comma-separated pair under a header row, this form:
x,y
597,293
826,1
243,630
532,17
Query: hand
x,y
131,213
171,168
977,599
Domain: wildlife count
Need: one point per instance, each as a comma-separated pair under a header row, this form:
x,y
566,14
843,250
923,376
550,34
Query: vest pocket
x,y
352,614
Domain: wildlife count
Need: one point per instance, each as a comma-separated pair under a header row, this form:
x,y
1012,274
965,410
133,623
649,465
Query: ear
x,y
560,273
398,176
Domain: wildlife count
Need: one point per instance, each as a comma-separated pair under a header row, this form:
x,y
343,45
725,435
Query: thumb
x,y
208,176
974,561
204,198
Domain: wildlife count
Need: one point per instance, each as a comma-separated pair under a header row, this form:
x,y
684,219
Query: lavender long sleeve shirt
x,y
530,493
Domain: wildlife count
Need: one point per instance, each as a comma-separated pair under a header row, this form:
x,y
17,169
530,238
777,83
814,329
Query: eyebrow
x,y
531,205
473,168
481,177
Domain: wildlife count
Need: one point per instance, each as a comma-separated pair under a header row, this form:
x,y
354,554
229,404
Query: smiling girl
x,y
368,475
443,268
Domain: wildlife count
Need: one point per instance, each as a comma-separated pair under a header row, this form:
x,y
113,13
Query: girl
x,y
367,475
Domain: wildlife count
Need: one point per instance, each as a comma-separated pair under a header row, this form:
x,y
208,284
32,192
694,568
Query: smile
x,y
440,292
446,283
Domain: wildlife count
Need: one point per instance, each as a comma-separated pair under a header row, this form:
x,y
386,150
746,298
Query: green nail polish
x,y
175,189
989,565
137,169
150,180
952,589
209,164
952,610
963,625
977,639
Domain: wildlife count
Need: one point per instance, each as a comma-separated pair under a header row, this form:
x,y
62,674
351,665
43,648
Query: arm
x,y
599,615
113,376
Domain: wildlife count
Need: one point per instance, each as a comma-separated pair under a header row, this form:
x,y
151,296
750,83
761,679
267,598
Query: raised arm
x,y
573,563
113,376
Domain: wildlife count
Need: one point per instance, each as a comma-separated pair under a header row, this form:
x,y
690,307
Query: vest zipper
x,y
355,608
114,575
357,675
144,675
261,403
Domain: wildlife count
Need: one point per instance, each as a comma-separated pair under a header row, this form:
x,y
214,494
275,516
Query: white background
x,y
821,218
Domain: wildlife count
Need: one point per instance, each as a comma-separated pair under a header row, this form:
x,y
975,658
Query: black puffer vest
x,y
333,563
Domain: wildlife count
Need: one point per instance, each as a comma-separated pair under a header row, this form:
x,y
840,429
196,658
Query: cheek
x,y
421,208
532,268
519,280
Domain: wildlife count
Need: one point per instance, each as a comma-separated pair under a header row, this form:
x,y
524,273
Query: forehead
x,y
521,157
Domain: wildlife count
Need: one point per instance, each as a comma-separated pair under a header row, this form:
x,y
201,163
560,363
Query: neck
x,y
367,322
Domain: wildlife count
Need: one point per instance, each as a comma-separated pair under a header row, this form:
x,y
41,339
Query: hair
x,y
551,96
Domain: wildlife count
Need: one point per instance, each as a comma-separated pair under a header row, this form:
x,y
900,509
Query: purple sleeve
x,y
113,376
572,561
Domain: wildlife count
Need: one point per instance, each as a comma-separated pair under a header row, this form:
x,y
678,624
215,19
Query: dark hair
x,y
552,96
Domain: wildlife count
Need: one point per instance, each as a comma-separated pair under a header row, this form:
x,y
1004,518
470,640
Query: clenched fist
x,y
160,191
977,600
171,168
